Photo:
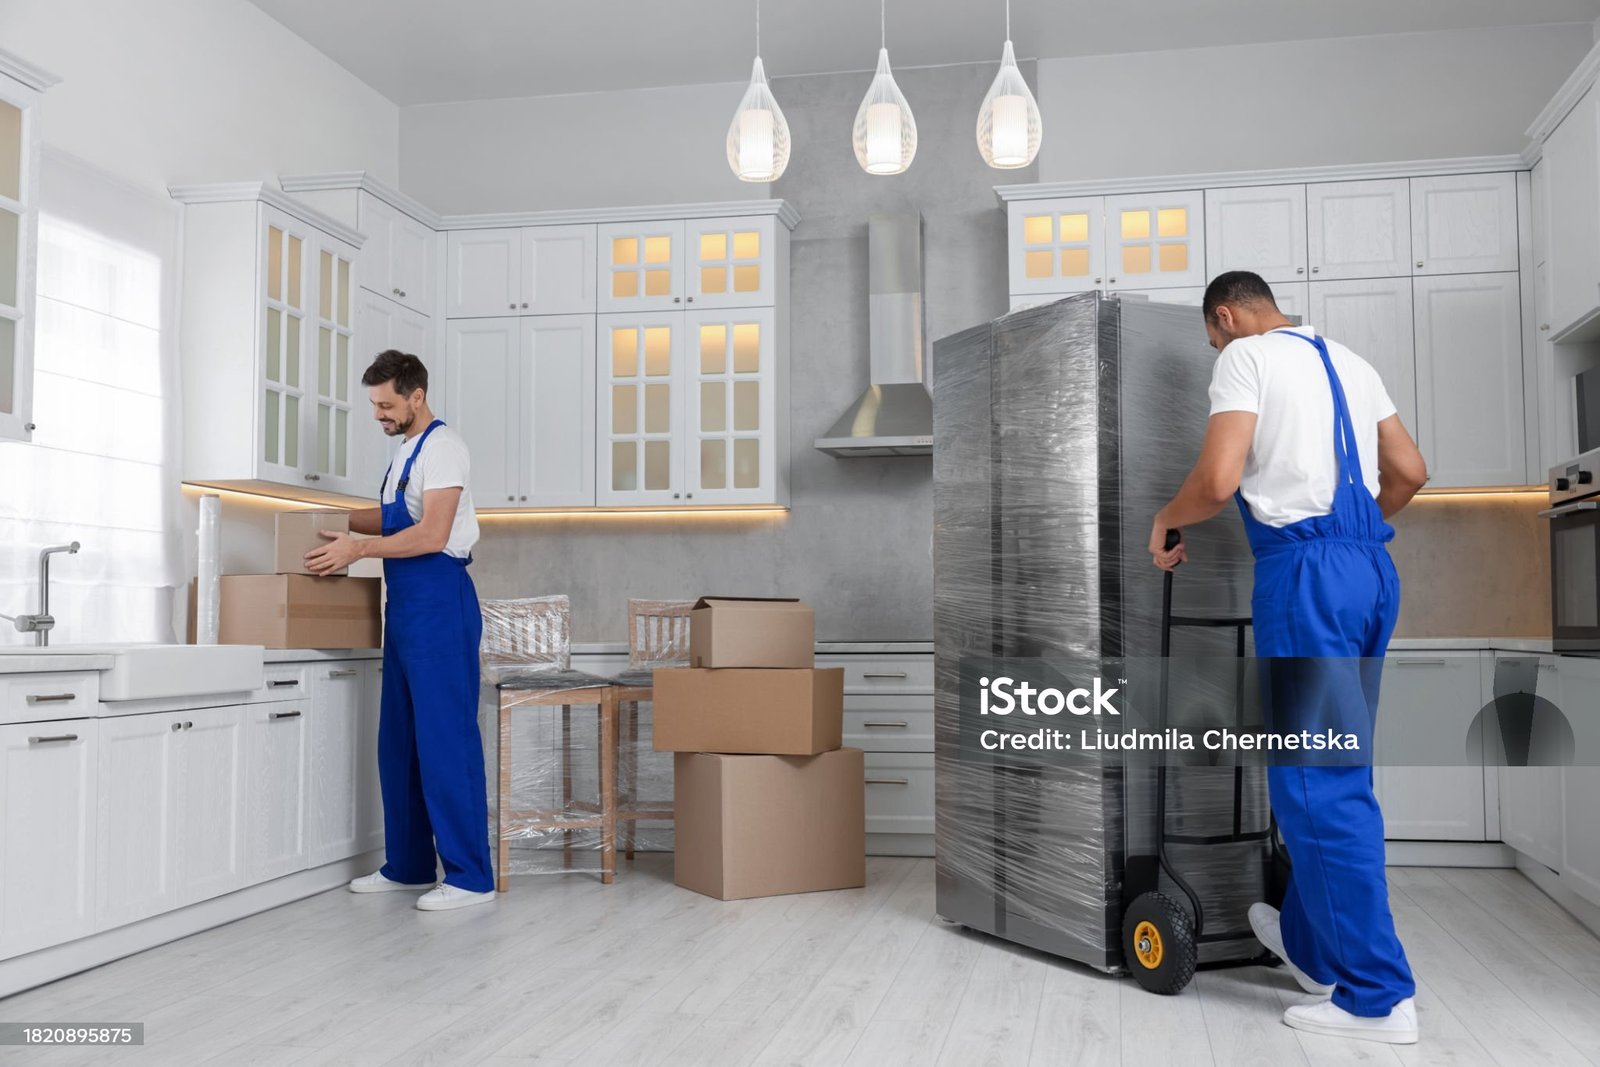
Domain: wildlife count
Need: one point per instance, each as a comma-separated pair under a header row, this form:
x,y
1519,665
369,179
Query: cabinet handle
x,y
397,292
1316,270
51,698
689,495
1419,262
30,427
283,683
1112,282
1420,662
674,496
1299,270
513,306
188,726
886,725
351,673
524,303
1544,327
52,740
523,498
888,781
177,726
276,715
885,674
313,477
1548,667
691,300
511,500
677,300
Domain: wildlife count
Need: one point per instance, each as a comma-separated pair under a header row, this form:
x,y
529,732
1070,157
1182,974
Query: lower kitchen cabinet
x,y
335,739
369,795
888,713
136,830
1531,808
47,838
1580,837
276,748
899,797
210,810
1427,704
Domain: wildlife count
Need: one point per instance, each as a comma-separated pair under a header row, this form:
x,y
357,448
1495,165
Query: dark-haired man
x,y
430,754
1303,434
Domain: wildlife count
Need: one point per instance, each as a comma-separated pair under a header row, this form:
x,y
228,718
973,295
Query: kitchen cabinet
x,y
1531,800
1373,318
397,259
1359,229
136,828
1470,415
1257,228
1073,245
1427,705
369,793
382,324
528,270
47,833
210,811
275,739
334,761
641,266
1464,224
731,263
1572,170
1554,365
266,276
1580,843
19,226
640,424
523,397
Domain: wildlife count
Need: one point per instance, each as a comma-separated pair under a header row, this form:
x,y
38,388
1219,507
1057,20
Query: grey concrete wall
x,y
856,543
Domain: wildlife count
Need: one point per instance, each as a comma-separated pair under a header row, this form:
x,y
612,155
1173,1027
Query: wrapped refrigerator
x,y
1059,431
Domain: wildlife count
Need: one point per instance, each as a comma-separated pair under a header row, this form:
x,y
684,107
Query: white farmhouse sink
x,y
146,672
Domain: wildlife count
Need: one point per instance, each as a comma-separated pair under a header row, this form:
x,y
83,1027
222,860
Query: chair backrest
x,y
658,633
526,634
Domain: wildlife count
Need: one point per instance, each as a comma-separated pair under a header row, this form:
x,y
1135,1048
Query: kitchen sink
x,y
156,672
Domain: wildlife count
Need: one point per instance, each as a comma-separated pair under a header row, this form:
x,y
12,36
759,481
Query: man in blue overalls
x,y
1303,434
430,754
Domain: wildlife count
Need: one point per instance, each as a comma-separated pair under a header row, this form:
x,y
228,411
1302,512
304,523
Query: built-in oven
x,y
1574,516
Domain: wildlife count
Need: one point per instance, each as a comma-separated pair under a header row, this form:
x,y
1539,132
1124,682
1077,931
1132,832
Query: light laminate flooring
x,y
565,970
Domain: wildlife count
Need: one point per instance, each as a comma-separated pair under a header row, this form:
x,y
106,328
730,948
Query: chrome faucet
x,y
43,622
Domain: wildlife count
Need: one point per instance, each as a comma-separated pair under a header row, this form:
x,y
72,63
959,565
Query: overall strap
x,y
1344,430
405,472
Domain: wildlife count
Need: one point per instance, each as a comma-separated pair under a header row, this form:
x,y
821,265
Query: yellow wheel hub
x,y
1147,945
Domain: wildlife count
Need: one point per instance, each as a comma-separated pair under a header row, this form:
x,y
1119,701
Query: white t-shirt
x,y
444,463
1291,471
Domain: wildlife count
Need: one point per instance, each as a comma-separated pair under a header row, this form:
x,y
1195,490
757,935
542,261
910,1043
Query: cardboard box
x,y
751,632
301,611
770,712
298,532
757,826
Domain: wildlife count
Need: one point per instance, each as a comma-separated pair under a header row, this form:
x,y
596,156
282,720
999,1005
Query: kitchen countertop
x,y
1467,644
318,655
52,662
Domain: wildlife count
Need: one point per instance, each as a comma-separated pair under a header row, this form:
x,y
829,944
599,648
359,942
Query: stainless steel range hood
x,y
894,417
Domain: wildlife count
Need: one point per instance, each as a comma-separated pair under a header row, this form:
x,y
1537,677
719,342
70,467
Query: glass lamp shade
x,y
885,134
758,138
1009,125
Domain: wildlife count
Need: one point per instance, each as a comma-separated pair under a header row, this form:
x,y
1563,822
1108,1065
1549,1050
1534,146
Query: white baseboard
x,y
1585,911
1449,854
900,845
59,961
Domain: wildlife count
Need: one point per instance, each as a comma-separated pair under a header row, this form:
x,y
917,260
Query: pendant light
x,y
885,133
758,139
1009,125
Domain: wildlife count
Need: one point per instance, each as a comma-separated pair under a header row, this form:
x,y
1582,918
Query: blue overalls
x,y
1325,587
430,754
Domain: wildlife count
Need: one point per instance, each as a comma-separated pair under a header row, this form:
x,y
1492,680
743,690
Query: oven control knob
x,y
1562,485
1585,477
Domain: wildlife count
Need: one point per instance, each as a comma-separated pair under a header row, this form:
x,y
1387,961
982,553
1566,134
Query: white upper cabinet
x,y
397,259
19,224
1470,420
1057,246
1359,229
1373,318
730,262
558,270
1464,224
1572,170
1155,240
1257,228
484,273
731,408
640,426
382,324
642,266
484,404
265,276
1294,298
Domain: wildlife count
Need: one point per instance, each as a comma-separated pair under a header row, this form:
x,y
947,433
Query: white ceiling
x,y
432,51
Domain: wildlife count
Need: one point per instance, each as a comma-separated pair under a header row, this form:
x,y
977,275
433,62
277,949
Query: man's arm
x,y
430,534
1210,484
367,521
1401,469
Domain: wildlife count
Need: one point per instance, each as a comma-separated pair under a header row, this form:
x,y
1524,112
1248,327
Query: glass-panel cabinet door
x,y
638,432
1156,241
18,224
335,377
730,262
286,359
1057,246
641,267
730,423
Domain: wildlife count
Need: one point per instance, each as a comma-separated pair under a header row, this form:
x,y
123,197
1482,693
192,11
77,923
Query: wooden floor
x,y
563,970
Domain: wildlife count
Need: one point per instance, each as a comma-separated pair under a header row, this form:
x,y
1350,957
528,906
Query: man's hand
x,y
340,551
1159,553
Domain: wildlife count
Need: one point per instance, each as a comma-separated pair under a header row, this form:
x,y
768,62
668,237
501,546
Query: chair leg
x,y
566,782
630,767
503,802
608,787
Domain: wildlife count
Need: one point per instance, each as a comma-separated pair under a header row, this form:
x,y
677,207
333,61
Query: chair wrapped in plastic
x,y
658,636
527,645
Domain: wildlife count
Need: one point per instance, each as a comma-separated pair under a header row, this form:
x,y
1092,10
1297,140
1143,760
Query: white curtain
x,y
103,466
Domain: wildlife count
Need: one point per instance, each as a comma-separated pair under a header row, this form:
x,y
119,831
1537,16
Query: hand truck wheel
x,y
1158,943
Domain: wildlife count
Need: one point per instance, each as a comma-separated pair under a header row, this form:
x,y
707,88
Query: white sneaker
x,y
377,883
1265,921
446,897
1399,1027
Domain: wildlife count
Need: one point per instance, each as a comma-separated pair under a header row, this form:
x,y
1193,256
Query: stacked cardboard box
x,y
291,607
766,801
